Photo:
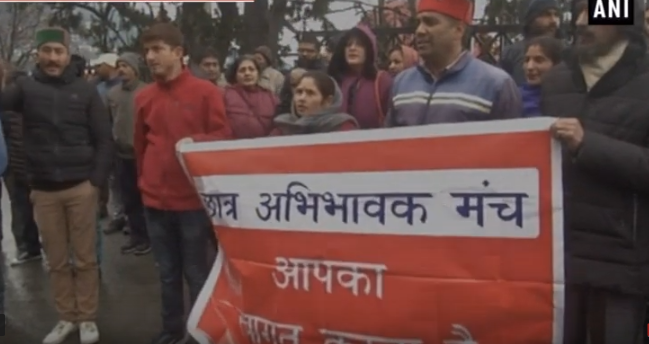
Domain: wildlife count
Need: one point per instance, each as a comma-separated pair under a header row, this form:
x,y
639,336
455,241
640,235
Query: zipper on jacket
x,y
424,114
635,217
57,170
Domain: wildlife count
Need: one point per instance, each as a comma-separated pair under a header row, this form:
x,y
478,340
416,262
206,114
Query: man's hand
x,y
569,131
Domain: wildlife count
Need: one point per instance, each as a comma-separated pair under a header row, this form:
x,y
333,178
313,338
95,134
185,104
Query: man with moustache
x,y
68,147
601,99
121,105
541,19
450,85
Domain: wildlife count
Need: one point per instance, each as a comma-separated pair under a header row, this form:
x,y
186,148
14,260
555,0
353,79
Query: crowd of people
x,y
81,147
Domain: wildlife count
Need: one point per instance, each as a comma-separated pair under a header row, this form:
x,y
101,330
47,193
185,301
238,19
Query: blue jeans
x,y
178,241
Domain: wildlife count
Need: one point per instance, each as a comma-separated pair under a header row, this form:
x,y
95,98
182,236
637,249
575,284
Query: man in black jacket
x,y
69,151
23,225
601,98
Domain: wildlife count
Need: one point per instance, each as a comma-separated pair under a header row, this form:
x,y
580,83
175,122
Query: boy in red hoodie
x,y
176,106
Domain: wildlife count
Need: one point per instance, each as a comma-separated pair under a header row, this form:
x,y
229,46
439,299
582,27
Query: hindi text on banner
x,y
356,277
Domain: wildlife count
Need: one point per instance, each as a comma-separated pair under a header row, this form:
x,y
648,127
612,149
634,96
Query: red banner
x,y
439,234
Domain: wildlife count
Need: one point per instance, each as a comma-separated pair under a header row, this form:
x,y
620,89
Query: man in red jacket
x,y
176,106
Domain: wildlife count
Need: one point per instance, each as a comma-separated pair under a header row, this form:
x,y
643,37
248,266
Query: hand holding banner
x,y
437,234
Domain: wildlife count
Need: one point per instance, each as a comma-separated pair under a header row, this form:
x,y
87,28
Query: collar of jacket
x,y
618,76
68,76
184,75
131,85
457,65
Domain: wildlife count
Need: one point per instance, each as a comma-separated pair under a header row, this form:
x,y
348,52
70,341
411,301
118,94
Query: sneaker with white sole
x,y
60,332
88,332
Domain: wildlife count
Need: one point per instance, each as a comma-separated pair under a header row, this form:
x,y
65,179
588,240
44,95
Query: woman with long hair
x,y
365,89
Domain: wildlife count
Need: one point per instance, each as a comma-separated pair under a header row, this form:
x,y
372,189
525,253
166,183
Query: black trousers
x,y
132,200
23,225
595,316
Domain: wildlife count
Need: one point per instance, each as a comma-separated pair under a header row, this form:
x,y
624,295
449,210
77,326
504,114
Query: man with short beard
x,y
541,19
601,99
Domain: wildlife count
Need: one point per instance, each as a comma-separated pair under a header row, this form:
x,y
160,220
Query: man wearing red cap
x,y
450,85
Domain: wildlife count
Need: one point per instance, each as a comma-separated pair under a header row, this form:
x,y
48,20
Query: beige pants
x,y
66,220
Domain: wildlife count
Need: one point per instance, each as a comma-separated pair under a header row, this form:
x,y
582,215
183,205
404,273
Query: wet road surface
x,y
129,296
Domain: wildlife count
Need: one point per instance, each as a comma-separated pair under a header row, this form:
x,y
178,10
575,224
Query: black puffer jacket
x,y
66,129
12,125
606,183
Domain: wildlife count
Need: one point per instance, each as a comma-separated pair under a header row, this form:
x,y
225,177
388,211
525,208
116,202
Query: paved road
x,y
129,297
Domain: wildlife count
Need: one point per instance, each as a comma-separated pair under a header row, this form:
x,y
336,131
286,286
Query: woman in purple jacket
x,y
365,89
541,54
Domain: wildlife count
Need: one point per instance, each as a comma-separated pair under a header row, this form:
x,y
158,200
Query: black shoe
x,y
142,249
129,248
166,338
25,257
115,226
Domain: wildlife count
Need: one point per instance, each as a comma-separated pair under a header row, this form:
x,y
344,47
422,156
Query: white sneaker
x,y
88,332
60,332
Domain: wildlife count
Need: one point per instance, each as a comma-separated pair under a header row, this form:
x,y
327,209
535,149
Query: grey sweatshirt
x,y
121,104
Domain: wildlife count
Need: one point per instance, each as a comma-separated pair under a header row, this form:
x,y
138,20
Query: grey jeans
x,y
115,205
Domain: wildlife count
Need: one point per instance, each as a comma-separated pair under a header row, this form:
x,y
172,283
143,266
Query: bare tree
x,y
18,25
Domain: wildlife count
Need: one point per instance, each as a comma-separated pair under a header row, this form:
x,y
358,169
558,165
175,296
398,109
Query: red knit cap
x,y
458,9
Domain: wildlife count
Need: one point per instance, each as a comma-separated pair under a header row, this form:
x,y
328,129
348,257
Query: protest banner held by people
x,y
306,192
374,206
